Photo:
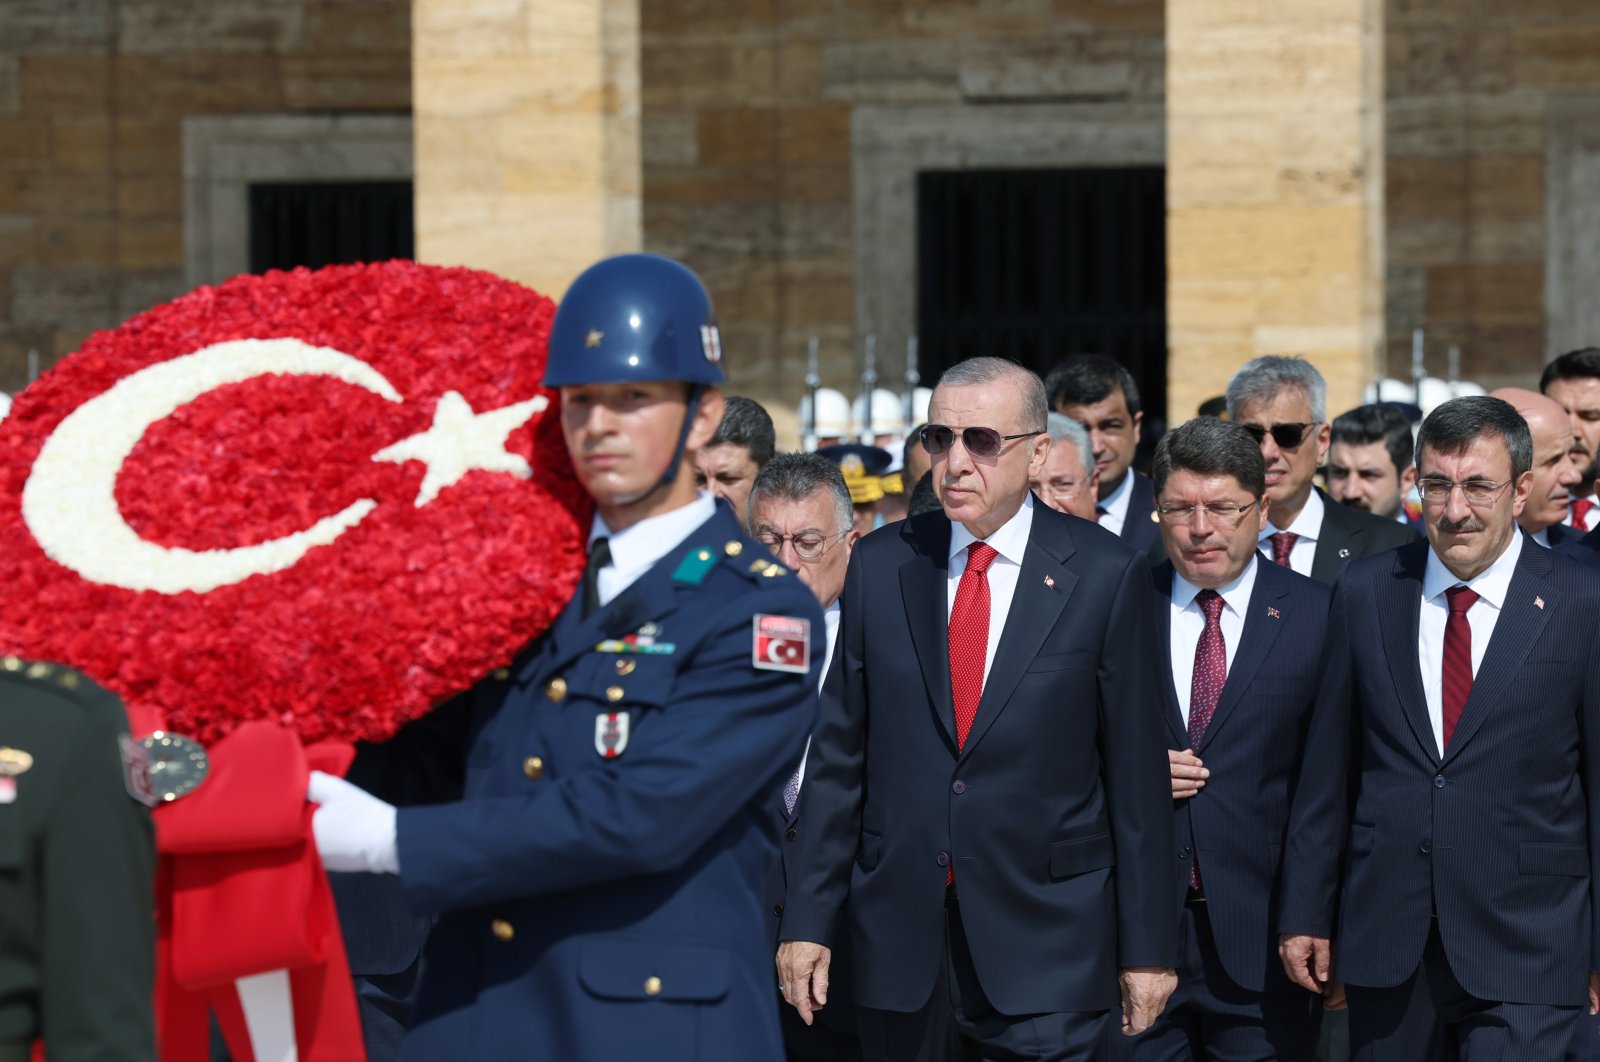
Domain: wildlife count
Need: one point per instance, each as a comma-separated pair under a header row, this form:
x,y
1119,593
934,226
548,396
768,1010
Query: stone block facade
x,y
93,95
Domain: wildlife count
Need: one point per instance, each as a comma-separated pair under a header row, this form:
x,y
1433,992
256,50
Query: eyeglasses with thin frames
x,y
1436,490
1226,513
808,544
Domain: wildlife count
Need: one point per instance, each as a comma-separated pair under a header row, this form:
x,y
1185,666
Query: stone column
x,y
1274,191
527,135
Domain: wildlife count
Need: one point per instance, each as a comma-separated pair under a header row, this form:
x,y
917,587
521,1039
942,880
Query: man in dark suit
x,y
1283,403
1444,834
1100,394
1573,380
1557,467
988,790
800,509
1243,637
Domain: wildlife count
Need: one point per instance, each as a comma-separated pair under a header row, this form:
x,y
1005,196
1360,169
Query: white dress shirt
x,y
1010,542
1542,537
636,550
830,621
1116,505
1189,622
1308,525
1491,585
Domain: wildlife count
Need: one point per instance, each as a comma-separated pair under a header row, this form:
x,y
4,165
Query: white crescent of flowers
x,y
69,501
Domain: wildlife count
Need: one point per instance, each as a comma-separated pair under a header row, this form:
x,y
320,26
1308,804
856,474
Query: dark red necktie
x,y
1457,684
1210,673
1580,513
969,645
1282,545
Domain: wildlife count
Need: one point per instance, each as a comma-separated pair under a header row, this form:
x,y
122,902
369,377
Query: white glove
x,y
355,830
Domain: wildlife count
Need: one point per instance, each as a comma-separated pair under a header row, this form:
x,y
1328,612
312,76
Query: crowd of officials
x,y
1009,752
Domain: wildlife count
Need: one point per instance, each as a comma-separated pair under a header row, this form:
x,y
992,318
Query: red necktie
x,y
1457,684
1282,545
1580,513
969,645
1210,673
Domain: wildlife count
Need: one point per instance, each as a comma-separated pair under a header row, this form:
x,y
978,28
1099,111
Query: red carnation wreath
x,y
329,499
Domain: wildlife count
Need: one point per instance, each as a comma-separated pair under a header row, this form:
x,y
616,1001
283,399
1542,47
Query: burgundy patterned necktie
x,y
1283,545
1210,673
1457,676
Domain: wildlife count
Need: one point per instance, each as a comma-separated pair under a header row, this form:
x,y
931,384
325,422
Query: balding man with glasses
x,y
1282,403
987,787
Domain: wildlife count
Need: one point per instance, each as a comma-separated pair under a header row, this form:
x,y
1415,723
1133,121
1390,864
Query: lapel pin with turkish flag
x,y
278,516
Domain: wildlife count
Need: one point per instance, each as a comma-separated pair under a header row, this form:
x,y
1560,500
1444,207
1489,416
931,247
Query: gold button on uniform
x,y
533,767
734,548
614,694
652,986
502,673
625,667
503,931
557,688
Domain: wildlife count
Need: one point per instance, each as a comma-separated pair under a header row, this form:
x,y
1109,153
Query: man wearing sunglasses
x,y
1282,403
1441,856
987,801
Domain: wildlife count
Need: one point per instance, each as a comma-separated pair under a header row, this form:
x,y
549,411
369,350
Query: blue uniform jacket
x,y
602,907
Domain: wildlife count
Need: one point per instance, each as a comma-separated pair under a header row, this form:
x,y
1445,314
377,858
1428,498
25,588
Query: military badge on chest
x,y
611,731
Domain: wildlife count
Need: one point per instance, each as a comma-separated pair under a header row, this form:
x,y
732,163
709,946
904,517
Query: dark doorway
x,y
1034,265
329,222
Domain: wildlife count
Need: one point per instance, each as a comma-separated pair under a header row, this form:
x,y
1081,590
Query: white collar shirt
x,y
1010,542
1188,622
636,550
1492,586
830,620
1115,505
1307,525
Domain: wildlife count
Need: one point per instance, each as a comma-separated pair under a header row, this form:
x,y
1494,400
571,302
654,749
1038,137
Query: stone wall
x,y
752,118
93,94
1492,231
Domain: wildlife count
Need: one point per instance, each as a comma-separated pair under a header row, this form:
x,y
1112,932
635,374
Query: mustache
x,y
1470,523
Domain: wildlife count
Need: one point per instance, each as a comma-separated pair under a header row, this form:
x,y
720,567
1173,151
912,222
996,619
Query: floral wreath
x,y
330,499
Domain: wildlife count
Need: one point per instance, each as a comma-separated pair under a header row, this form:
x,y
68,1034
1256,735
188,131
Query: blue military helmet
x,y
635,317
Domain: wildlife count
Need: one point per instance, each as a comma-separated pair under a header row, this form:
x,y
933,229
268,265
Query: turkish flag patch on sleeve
x,y
782,643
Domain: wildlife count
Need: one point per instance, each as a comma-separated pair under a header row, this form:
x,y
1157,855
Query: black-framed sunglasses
x,y
1287,436
980,442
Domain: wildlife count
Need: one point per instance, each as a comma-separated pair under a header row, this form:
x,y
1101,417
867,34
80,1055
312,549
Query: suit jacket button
x,y
652,986
1438,781
533,767
777,910
557,688
790,834
1426,846
503,931
958,787
944,859
1183,853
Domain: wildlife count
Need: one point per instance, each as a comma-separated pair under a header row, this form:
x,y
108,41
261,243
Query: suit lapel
x,y
1399,611
1162,577
923,594
1519,626
1337,542
1255,644
1035,608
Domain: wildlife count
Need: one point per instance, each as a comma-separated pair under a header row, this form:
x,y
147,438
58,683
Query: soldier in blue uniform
x,y
599,885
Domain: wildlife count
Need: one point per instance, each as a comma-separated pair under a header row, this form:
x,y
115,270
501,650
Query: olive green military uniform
x,y
77,862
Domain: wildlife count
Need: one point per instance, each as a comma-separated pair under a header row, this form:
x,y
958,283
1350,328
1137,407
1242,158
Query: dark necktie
x,y
1205,688
1282,545
599,557
969,645
1457,677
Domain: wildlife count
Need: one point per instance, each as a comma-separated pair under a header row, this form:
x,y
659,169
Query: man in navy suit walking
x,y
1444,842
1243,637
988,790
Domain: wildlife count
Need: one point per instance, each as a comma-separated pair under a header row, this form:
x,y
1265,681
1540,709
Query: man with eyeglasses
x,y
1243,637
800,509
1282,403
986,787
1442,850
1557,466
1067,482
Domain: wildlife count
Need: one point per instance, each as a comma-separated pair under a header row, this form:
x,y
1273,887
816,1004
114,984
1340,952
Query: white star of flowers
x,y
461,441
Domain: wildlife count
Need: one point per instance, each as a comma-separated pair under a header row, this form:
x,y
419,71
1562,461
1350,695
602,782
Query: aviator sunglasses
x,y
1287,436
980,442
